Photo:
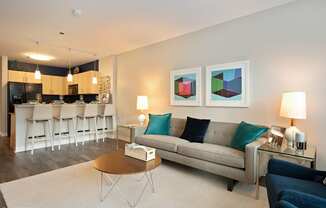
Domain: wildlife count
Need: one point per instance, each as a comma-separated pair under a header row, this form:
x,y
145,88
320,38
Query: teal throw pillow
x,y
245,134
159,124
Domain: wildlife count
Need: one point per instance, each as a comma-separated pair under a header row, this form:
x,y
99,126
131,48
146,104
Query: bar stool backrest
x,y
108,110
68,111
42,112
90,110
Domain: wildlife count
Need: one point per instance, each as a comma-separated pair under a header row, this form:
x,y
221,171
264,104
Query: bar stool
x,y
41,114
89,113
67,114
108,121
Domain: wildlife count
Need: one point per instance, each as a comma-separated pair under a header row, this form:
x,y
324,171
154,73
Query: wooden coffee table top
x,y
119,164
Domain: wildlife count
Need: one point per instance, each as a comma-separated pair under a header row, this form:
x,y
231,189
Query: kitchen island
x,y
25,111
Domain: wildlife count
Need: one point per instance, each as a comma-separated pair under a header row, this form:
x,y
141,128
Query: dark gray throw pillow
x,y
195,129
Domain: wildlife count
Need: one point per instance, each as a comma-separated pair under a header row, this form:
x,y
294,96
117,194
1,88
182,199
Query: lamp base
x,y
141,118
290,136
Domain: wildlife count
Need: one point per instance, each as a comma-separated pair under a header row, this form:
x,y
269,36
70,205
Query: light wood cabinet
x,y
20,76
58,85
85,82
54,85
90,87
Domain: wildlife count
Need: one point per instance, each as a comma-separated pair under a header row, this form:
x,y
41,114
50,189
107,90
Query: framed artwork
x,y
227,85
185,87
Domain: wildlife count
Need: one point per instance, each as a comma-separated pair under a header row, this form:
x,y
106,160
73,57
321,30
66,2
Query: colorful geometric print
x,y
185,87
226,83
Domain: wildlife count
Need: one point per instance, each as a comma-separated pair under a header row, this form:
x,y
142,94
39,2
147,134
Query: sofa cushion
x,y
213,153
168,143
195,129
159,124
245,134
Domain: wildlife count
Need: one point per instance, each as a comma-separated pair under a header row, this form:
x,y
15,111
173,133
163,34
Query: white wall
x,y
107,67
3,94
286,47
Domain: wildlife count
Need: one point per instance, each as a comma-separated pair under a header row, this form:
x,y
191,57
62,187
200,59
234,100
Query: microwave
x,y
73,89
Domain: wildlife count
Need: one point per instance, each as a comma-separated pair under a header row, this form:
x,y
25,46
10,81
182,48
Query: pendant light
x,y
69,76
94,79
37,73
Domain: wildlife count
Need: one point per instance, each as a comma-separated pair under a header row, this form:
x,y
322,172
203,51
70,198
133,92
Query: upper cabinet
x,y
58,85
20,76
54,85
85,82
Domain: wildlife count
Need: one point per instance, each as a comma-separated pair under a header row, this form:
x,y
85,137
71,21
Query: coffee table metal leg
x,y
114,184
149,176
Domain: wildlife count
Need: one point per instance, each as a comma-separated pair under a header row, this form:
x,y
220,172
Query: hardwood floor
x,y
14,166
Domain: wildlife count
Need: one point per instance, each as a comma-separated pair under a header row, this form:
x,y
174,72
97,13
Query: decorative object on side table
x,y
300,141
227,85
142,104
293,106
277,135
185,87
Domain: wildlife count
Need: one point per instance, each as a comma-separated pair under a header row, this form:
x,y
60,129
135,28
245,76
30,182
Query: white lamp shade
x,y
37,74
142,103
293,105
69,77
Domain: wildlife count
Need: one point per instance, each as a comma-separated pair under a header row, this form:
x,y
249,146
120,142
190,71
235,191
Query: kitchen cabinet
x,y
85,82
23,77
58,85
54,85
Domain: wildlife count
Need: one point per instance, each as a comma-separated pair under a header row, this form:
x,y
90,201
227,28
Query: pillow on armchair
x,y
245,134
159,124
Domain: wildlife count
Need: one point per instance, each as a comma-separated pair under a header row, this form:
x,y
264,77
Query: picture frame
x,y
227,85
185,87
277,134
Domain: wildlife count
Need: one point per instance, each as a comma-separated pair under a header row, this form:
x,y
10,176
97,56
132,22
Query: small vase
x,y
290,136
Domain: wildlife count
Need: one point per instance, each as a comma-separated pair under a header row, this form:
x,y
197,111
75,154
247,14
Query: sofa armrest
x,y
301,199
251,159
138,131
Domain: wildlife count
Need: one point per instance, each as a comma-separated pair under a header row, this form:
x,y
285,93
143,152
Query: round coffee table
x,y
116,163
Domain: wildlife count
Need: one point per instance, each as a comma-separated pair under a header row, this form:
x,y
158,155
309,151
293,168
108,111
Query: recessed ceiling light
x,y
39,57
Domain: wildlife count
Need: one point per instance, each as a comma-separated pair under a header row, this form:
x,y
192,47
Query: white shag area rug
x,y
176,187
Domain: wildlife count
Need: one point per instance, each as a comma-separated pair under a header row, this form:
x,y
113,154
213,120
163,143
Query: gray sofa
x,y
214,155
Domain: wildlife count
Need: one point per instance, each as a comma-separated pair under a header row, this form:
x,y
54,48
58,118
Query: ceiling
x,y
108,27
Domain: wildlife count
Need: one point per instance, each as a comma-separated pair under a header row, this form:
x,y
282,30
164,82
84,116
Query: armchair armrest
x,y
251,159
284,168
301,199
284,204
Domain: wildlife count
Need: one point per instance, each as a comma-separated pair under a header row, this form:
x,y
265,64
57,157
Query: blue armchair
x,y
293,186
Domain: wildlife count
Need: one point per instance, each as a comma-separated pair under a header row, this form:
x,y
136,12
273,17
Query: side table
x,y
308,155
127,132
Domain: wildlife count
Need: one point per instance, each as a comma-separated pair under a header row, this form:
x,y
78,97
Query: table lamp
x,y
142,104
293,106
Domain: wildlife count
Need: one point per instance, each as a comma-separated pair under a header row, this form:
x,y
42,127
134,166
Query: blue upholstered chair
x,y
294,186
